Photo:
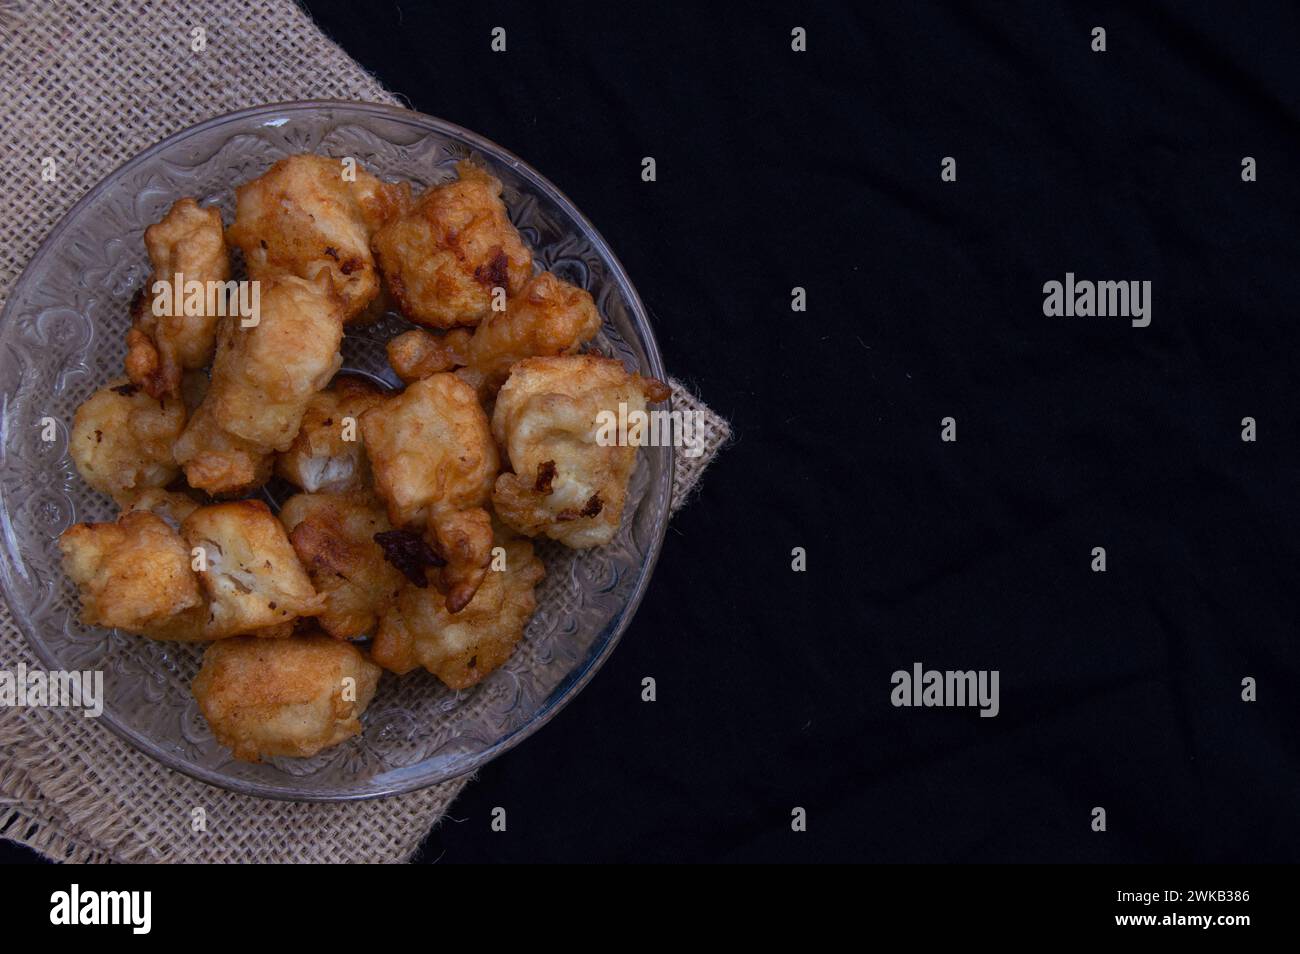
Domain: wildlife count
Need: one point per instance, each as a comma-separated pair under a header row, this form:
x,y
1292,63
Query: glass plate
x,y
62,336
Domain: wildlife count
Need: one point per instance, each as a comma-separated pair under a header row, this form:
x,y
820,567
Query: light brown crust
x,y
462,648
434,460
463,538
265,375
320,459
418,354
430,449
263,379
566,485
265,698
135,575
303,218
173,506
334,537
190,242
218,462
443,258
253,579
548,317
122,439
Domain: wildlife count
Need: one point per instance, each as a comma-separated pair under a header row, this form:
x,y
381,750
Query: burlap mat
x,y
92,84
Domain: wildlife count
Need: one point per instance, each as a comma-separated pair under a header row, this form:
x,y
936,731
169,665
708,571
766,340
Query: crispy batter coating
x,y
262,380
320,458
302,218
135,575
463,539
219,462
122,439
433,458
253,579
461,648
565,484
334,537
172,505
417,354
431,449
443,258
548,317
264,376
294,697
189,242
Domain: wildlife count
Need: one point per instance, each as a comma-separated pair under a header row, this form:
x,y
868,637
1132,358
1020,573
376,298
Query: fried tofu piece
x,y
328,453
303,218
334,537
442,258
187,245
254,582
264,376
122,439
548,317
135,575
434,460
291,697
462,648
566,484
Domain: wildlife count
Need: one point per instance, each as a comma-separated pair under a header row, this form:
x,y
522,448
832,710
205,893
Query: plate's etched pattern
x,y
63,337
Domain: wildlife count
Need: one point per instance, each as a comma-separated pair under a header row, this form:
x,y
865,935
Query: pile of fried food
x,y
411,528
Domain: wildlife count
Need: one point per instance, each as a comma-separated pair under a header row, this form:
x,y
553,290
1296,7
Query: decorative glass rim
x,y
574,681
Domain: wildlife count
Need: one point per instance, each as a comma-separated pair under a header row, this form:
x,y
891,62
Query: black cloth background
x,y
822,169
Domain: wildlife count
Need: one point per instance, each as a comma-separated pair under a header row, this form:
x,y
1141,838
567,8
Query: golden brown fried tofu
x,y
548,317
334,537
135,575
252,576
264,376
434,460
188,245
122,439
565,484
461,648
294,697
304,218
218,462
442,258
328,453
